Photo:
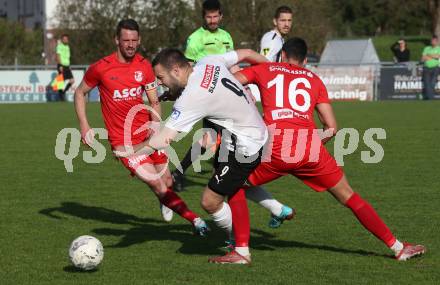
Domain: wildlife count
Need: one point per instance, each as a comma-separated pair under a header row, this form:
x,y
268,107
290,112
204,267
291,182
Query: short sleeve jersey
x,y
203,42
431,50
289,93
64,52
270,46
213,93
121,86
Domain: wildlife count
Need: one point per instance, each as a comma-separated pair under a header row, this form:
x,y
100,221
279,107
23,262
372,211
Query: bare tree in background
x,y
247,21
434,10
168,23
91,25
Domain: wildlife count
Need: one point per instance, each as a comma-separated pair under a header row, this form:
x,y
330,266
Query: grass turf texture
x,y
43,209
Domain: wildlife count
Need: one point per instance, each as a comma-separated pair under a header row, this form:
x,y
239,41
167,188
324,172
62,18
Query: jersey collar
x,y
206,29
278,33
115,57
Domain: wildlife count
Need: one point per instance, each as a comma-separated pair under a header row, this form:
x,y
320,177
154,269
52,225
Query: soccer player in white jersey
x,y
272,41
210,91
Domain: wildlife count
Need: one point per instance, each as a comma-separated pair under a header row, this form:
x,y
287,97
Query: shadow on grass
x,y
336,249
94,213
261,240
190,179
73,269
191,182
143,230
138,230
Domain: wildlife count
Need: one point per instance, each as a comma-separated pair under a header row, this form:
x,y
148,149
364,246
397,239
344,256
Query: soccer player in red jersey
x,y
290,94
122,78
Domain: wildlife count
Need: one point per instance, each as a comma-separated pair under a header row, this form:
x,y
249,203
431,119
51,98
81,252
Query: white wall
x,y
51,22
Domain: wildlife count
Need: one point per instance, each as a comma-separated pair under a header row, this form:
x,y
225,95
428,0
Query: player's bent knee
x,y
156,185
159,191
207,205
210,204
342,191
168,182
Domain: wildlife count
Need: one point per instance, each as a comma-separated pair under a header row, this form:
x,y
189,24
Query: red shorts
x,y
320,175
157,157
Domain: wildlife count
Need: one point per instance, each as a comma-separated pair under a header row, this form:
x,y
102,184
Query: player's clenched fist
x,y
87,135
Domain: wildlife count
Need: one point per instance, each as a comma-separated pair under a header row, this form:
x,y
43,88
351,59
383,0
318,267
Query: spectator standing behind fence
x,y
58,85
63,63
430,58
400,51
272,41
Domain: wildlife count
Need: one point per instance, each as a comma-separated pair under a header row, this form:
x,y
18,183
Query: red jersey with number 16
x,y
289,93
121,86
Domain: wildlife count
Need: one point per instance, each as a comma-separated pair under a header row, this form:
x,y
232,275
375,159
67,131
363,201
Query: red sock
x,y
370,219
175,203
240,218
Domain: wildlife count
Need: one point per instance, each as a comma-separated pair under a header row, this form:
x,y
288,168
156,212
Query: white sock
x,y
243,250
265,199
223,218
397,246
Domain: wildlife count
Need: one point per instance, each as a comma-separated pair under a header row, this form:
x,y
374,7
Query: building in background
x,y
28,12
34,14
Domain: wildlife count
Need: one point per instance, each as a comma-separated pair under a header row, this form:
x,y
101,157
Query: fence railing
x,y
366,82
38,67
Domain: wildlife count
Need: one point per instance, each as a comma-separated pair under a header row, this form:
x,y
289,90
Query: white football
x,y
86,252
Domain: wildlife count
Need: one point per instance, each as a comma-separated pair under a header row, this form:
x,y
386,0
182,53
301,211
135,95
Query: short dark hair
x,y
282,9
434,36
64,35
127,24
169,57
295,48
211,5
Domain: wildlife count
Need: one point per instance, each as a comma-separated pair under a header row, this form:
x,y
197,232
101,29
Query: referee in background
x,y
207,40
63,63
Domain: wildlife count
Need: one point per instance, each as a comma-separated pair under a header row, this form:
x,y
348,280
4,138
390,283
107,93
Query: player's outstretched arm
x,y
80,109
157,141
241,78
328,120
250,56
154,103
244,81
246,55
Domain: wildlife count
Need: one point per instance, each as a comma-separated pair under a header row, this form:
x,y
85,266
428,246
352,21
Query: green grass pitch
x,y
43,208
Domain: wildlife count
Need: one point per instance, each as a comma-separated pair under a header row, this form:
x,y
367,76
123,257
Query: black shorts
x,y
67,73
231,173
210,125
214,132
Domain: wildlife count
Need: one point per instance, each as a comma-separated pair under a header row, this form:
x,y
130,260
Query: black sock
x,y
61,95
186,161
67,87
